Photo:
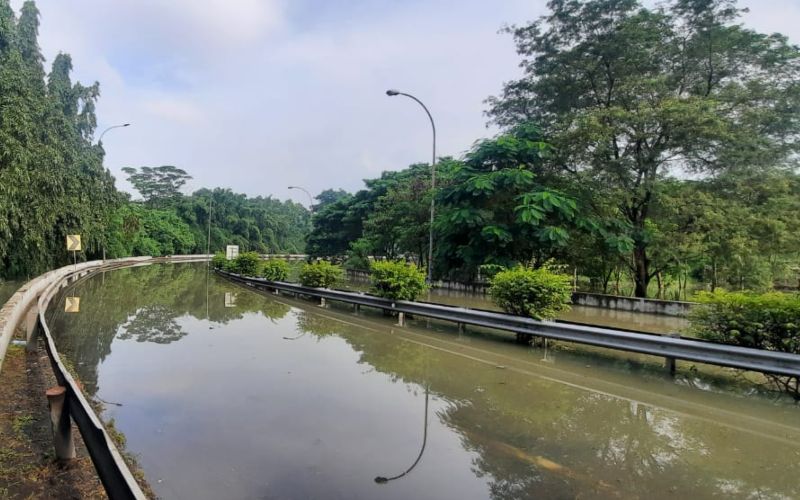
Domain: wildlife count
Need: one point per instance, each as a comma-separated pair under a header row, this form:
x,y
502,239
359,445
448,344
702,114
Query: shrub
x,y
246,264
537,293
218,261
320,274
397,280
767,321
275,270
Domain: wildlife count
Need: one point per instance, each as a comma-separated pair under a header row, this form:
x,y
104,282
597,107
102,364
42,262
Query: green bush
x,y
397,280
320,274
275,270
538,293
767,321
246,264
218,261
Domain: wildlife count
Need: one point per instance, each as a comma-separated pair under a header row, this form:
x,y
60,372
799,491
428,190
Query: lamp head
x,y
126,124
392,92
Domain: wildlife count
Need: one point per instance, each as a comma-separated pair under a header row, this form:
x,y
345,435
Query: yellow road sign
x,y
72,305
74,242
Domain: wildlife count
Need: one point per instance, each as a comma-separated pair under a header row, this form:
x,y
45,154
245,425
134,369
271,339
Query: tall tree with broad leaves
x,y
159,186
628,95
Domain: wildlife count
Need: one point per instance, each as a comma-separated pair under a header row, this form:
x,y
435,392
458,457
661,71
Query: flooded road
x,y
226,393
626,320
653,323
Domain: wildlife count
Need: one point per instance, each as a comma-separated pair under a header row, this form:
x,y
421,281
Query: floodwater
x,y
643,322
626,320
223,392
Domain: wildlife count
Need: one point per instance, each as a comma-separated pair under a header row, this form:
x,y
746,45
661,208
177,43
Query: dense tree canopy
x,y
628,95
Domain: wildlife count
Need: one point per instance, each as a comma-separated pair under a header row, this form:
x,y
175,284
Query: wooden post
x,y
32,327
669,362
60,422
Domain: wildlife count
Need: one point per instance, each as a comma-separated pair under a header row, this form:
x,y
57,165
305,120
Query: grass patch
x,y
21,424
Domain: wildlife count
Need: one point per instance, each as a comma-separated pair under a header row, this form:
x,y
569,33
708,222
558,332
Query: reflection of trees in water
x,y
145,304
317,325
538,439
154,323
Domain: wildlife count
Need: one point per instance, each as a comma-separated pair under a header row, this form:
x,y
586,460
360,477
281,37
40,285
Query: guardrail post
x,y
60,422
669,362
322,302
401,319
356,308
461,328
32,327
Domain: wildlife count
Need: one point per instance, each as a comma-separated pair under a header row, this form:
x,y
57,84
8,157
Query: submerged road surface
x,y
223,392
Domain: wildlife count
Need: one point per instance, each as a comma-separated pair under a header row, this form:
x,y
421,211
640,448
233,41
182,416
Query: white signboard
x,y
231,252
230,299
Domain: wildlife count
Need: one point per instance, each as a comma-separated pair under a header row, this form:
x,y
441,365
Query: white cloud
x,y
175,110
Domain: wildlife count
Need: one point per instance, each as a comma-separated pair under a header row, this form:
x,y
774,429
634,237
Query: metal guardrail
x,y
759,360
112,470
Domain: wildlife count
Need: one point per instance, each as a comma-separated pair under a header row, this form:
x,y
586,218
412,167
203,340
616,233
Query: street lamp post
x,y
100,142
310,198
391,93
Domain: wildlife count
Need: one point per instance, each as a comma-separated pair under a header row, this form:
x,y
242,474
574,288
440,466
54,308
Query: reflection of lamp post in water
x,y
296,336
384,480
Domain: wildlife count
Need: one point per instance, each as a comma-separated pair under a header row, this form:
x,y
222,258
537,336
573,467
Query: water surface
x,y
228,393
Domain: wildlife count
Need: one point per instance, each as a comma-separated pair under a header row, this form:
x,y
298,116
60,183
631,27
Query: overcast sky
x,y
257,95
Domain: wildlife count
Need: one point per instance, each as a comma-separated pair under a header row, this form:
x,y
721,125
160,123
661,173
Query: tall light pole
x,y
310,198
100,142
391,93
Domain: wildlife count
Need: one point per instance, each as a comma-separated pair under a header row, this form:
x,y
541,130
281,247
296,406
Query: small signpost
x,y
231,252
72,305
230,299
74,246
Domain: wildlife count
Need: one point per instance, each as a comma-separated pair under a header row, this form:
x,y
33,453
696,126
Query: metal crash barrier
x,y
669,347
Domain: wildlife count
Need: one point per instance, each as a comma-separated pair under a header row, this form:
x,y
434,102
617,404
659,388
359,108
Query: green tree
x,y
159,186
494,208
628,94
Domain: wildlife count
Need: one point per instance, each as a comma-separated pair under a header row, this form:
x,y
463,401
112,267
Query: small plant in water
x,y
538,293
321,274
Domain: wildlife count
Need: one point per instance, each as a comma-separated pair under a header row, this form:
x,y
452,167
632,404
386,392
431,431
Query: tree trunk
x,y
641,275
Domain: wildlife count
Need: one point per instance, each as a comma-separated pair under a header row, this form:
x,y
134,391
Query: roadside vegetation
x,y
320,274
768,321
397,280
537,293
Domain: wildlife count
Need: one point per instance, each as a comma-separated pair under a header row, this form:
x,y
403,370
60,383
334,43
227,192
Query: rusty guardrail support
x,y
669,361
60,422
